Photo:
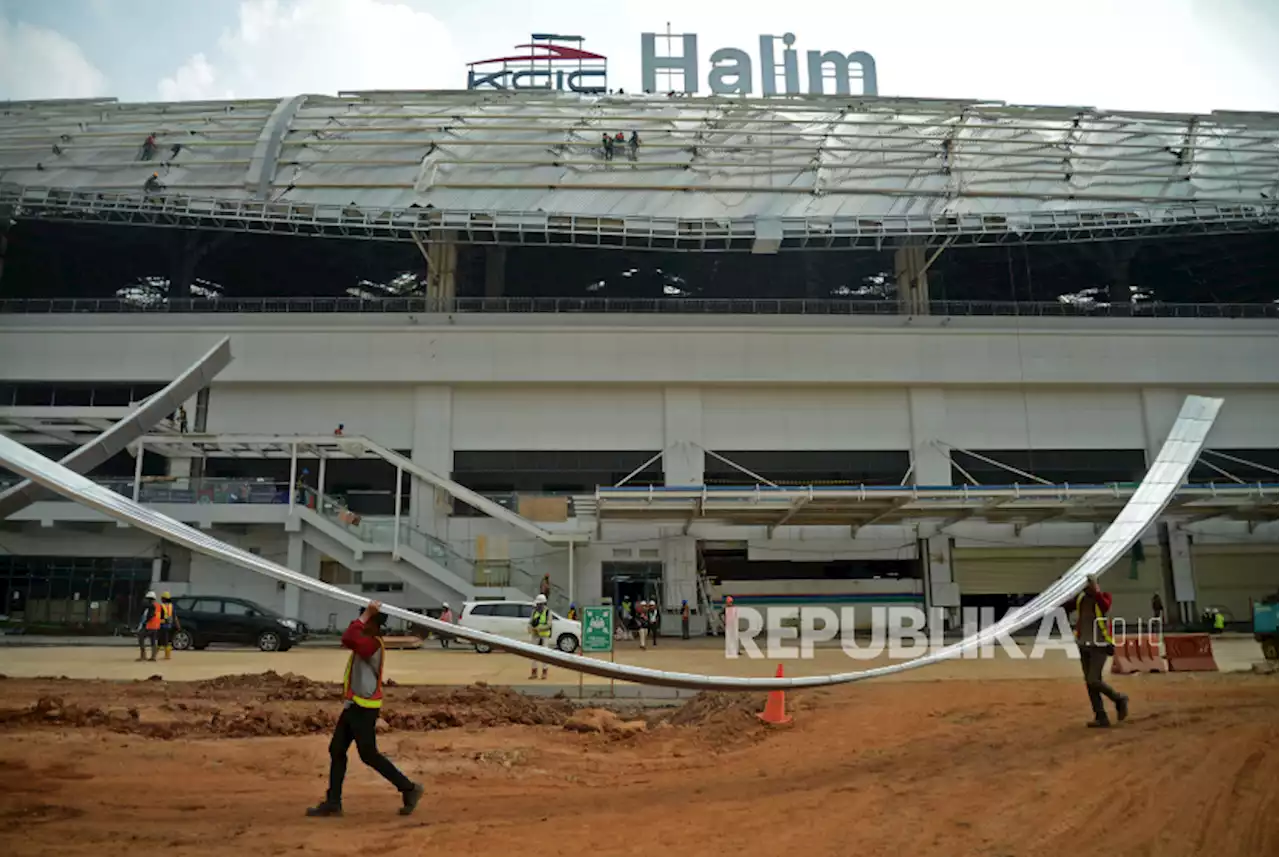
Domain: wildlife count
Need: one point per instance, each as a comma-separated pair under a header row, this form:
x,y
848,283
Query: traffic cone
x,y
775,710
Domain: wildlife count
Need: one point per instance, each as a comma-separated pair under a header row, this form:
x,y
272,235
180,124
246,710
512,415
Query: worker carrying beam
x,y
1095,643
361,702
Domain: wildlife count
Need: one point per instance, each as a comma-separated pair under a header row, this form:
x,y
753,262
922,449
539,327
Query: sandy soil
x,y
960,767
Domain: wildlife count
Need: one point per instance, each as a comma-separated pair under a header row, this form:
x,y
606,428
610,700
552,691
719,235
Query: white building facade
x,y
683,390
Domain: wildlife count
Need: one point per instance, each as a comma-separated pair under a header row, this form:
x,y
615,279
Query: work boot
x,y
325,809
411,798
1099,723
544,675
1122,707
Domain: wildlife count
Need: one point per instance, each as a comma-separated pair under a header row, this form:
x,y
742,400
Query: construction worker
x,y
446,615
362,700
149,625
684,619
1094,640
573,613
539,630
168,624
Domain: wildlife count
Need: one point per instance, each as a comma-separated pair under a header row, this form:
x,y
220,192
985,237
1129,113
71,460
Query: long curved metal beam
x,y
129,429
1167,472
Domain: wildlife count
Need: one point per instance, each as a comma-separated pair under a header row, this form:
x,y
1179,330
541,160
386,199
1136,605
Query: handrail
x,y
659,306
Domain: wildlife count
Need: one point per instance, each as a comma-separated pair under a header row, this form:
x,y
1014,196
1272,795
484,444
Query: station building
x,y
823,350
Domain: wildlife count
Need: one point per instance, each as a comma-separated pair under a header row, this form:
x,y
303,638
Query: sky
x,y
1153,55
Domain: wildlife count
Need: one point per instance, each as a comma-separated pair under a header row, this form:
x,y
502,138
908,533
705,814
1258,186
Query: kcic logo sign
x,y
553,62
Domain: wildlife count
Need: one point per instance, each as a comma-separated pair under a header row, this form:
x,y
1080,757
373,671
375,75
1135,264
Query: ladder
x,y
707,604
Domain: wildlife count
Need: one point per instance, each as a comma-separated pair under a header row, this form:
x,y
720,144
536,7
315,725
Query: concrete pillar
x,y
679,573
293,559
683,462
928,415
495,271
442,269
913,283
941,589
432,449
1184,583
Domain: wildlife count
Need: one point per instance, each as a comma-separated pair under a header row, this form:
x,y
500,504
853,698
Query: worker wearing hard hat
x,y
149,625
168,624
539,630
1096,644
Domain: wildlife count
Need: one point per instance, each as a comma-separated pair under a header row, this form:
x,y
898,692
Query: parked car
x,y
209,619
511,619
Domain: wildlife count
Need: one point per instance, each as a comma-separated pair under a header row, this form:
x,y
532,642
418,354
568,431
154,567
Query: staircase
x,y
422,561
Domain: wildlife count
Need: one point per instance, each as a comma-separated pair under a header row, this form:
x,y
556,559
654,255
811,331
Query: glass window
x,y
184,603
235,608
483,610
208,605
513,611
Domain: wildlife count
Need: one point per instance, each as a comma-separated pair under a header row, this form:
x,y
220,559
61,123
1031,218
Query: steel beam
x,y
129,429
1167,473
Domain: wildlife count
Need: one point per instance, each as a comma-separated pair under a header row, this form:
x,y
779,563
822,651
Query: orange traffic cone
x,y
775,710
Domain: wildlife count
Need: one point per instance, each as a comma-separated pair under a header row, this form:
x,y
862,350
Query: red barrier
x,y
1149,659
1190,653
1125,660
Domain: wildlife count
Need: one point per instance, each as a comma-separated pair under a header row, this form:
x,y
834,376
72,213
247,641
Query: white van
x,y
511,619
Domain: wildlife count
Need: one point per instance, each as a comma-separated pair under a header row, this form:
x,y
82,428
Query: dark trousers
x,y
359,725
145,636
165,636
684,628
1093,659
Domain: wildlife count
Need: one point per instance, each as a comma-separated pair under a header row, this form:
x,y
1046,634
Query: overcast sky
x,y
1159,55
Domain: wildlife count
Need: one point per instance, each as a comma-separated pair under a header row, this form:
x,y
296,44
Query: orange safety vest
x,y
363,668
154,620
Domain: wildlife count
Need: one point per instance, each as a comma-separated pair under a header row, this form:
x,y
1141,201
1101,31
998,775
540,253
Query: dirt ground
x,y
961,767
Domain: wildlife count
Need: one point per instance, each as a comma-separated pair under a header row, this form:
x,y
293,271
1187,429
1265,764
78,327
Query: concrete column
x,y
913,283
928,415
679,572
442,269
683,462
293,559
495,271
157,567
943,591
432,449
1184,583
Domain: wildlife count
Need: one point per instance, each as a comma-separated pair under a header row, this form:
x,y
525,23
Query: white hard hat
x,y
541,599
151,593
444,603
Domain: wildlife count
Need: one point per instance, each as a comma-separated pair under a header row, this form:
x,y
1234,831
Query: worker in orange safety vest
x,y
149,625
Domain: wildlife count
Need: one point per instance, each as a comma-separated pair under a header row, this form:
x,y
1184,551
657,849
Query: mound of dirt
x,y
272,685
481,705
595,720
711,708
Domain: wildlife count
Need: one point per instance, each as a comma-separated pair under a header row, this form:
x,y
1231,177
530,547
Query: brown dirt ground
x,y
226,766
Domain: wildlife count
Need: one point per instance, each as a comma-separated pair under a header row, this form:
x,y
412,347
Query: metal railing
x,y
197,491
659,306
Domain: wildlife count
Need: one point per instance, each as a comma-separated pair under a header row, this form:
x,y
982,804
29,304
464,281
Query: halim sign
x,y
731,68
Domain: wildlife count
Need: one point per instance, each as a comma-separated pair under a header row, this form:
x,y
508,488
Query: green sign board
x,y
597,629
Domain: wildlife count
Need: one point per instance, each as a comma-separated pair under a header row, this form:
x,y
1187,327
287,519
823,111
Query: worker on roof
x,y
1095,644
362,700
607,143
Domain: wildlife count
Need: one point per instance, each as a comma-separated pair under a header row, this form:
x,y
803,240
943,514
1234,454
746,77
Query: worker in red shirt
x,y
362,700
1094,640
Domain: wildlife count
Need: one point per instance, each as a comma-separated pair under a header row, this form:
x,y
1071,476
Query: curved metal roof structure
x,y
719,172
